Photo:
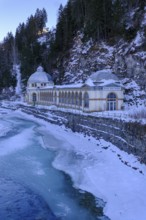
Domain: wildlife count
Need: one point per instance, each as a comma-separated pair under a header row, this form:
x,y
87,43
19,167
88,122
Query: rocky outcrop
x,y
126,58
86,58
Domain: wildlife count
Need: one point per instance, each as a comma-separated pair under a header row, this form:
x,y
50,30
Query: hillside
x,y
89,36
127,60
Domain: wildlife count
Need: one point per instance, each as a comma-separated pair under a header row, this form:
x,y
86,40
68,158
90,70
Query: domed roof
x,y
40,76
103,75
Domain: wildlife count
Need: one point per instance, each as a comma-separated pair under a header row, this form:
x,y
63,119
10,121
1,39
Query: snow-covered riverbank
x,y
30,187
102,169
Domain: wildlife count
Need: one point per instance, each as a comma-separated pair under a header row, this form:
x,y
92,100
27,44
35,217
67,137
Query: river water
x,y
30,187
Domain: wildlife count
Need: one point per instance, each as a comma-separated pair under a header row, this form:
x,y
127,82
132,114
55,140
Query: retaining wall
x,y
128,136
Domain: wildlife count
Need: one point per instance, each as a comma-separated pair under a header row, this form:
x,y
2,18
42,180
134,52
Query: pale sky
x,y
13,12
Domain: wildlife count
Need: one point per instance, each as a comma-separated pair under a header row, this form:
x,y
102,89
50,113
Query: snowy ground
x,y
101,168
131,113
104,170
102,173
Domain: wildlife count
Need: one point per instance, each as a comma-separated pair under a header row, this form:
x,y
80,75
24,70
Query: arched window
x,y
86,100
111,102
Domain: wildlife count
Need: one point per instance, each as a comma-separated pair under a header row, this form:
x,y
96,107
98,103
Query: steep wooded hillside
x,y
89,36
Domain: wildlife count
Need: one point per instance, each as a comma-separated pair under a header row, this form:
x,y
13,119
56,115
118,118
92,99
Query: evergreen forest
x,y
98,20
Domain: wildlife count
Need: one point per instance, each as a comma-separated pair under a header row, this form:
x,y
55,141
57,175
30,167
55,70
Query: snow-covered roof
x,y
75,85
110,82
103,75
40,76
89,82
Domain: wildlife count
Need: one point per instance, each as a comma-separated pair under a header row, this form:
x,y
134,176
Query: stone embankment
x,y
128,136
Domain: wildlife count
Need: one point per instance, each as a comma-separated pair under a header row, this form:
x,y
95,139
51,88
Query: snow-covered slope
x,y
86,58
127,58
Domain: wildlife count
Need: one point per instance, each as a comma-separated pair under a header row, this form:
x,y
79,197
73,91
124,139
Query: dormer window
x,y
43,84
34,84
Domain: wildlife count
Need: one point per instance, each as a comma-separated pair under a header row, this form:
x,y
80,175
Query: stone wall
x,y
128,136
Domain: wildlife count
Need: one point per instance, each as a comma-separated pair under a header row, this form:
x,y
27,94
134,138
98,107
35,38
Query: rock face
x,y
86,58
126,59
131,64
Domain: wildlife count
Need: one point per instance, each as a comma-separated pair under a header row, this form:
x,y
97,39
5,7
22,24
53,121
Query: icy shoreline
x,y
103,170
98,167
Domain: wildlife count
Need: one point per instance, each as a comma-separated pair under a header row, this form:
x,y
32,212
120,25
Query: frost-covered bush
x,y
138,113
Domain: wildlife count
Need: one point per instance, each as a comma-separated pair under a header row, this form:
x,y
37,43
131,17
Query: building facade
x,y
102,91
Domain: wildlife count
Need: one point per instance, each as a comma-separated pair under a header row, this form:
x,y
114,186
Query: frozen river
x,y
30,186
48,172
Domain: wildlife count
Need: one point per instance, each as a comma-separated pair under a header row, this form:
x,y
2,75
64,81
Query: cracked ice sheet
x,y
95,166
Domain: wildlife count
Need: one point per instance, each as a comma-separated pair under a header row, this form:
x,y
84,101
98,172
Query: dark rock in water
x,y
17,202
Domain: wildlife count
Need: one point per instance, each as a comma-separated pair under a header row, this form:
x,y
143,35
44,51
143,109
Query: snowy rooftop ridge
x,y
74,85
110,81
104,74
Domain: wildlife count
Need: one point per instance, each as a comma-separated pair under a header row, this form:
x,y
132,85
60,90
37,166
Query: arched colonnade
x,y
65,98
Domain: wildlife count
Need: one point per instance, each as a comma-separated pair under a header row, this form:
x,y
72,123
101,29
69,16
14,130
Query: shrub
x,y
138,113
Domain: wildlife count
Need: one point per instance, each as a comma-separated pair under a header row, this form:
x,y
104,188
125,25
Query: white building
x,y
102,91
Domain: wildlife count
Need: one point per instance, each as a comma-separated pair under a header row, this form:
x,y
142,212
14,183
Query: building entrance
x,y
111,102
